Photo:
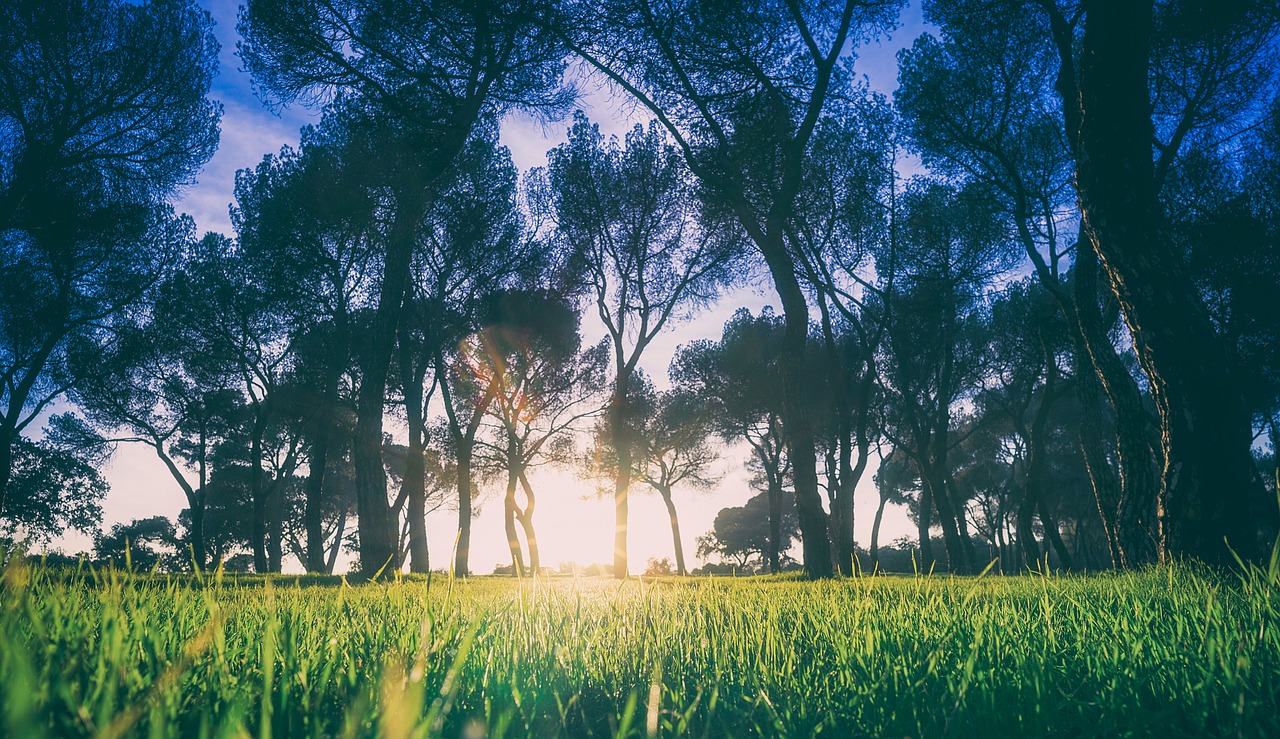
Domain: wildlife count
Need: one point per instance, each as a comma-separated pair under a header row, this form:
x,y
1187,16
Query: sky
x,y
573,522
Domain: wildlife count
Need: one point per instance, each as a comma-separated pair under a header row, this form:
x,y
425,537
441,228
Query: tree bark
x,y
1204,504
875,534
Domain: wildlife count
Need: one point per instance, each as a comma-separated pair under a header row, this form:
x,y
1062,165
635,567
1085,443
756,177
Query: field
x,y
1173,651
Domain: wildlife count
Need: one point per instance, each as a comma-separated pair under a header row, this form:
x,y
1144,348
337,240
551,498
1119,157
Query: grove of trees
x,y
1033,293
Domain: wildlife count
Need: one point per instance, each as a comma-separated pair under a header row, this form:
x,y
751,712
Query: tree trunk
x,y
1135,508
1101,477
801,447
875,534
275,527
620,434
374,520
313,518
675,529
775,522
526,522
337,544
416,500
924,522
1204,505
509,514
1054,537
258,525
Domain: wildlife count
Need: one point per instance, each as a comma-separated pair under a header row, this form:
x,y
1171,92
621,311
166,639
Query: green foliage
x,y
1173,651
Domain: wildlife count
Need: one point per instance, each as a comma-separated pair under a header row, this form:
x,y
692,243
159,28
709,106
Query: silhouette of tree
x,y
102,117
530,351
628,216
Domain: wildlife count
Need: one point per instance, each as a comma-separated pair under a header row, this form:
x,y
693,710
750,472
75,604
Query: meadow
x,y
1168,651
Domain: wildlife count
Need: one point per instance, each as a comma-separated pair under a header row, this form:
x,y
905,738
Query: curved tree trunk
x,y
526,522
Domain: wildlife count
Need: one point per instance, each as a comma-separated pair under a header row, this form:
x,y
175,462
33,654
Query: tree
x,y
428,74
475,243
103,116
737,379
743,532
1137,82
306,223
55,485
673,450
741,90
976,105
144,543
952,244
530,351
628,216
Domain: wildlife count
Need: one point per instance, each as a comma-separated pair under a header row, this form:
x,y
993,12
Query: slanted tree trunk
x,y
1207,484
665,492
332,561
875,533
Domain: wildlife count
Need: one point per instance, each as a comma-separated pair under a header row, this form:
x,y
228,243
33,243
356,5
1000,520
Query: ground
x,y
1170,651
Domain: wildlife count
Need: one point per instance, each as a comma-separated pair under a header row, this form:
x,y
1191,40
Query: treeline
x,y
1061,339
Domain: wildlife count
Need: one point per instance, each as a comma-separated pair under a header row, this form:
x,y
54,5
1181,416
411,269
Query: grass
x,y
1170,651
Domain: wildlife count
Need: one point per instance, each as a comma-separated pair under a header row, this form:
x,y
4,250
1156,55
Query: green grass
x,y
1173,651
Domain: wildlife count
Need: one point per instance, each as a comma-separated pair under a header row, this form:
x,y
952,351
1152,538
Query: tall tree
x,y
429,73
103,116
976,104
629,217
305,222
741,88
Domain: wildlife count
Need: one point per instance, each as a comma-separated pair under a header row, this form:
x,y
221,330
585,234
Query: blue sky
x,y
573,523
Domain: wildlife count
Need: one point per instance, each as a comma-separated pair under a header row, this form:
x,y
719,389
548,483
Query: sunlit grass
x,y
1174,651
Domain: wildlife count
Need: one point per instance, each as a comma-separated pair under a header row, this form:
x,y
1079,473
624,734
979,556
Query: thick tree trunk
x,y
1204,506
375,523
1134,510
1101,477
801,447
675,530
461,562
